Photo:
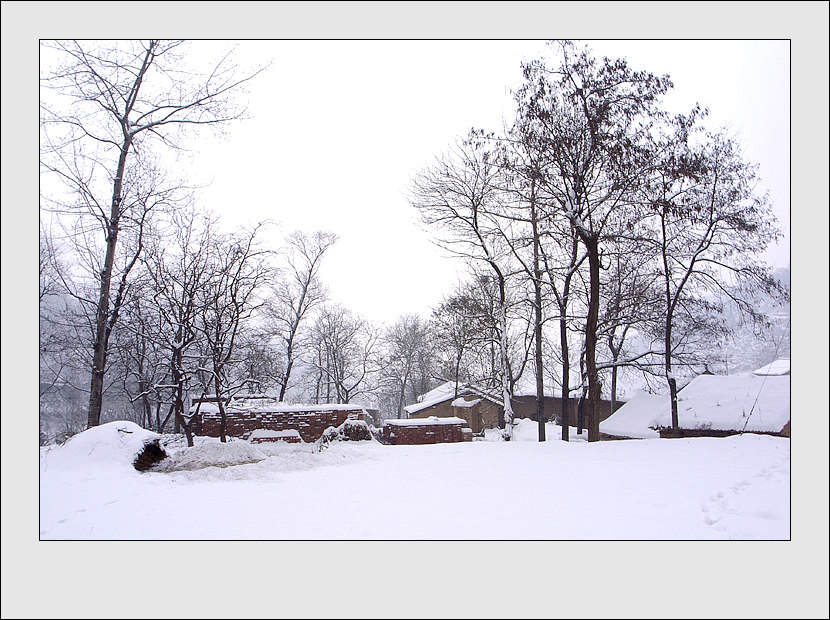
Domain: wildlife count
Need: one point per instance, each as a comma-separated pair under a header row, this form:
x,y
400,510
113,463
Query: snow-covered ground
x,y
687,489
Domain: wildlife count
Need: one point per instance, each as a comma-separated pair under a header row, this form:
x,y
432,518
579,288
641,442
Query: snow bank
x,y
525,429
212,455
112,446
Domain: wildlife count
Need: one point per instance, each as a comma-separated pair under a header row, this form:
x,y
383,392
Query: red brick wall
x,y
422,433
310,424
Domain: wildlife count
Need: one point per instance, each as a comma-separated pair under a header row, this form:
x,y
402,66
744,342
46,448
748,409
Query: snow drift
x,y
212,455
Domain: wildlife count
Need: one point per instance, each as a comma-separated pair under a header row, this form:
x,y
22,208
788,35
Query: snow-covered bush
x,y
350,430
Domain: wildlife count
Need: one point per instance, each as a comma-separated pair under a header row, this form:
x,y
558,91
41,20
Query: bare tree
x,y
591,117
455,328
295,296
457,196
177,264
630,307
708,225
238,269
345,354
405,341
115,106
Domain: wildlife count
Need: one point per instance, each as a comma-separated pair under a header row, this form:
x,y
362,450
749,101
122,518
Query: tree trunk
x,y
537,295
675,422
102,312
566,372
592,246
219,401
288,366
505,390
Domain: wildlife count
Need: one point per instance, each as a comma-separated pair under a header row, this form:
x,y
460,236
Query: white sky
x,y
339,128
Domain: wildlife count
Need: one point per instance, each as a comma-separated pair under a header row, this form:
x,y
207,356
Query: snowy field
x,y
651,489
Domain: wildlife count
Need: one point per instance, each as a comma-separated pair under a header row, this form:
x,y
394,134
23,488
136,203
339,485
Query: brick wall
x,y
525,407
399,434
310,424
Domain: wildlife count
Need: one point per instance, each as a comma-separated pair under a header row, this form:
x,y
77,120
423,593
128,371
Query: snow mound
x,y
212,455
113,446
525,429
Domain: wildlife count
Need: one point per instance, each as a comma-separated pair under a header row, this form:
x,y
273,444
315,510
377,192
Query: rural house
x,y
482,409
711,406
450,400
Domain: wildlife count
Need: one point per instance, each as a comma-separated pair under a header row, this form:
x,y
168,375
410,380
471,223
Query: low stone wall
x,y
419,432
680,433
309,424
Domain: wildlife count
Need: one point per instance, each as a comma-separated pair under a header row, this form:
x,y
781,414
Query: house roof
x,y
635,417
776,368
753,403
444,392
526,386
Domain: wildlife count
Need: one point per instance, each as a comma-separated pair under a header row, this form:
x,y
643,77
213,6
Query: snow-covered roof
x,y
445,392
425,421
776,368
750,403
460,402
733,403
526,386
635,417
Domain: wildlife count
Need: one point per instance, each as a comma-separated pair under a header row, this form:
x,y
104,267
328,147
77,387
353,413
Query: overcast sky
x,y
339,128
